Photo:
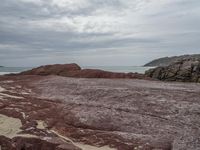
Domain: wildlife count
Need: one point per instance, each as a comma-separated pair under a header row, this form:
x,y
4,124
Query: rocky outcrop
x,y
95,73
186,70
57,69
73,70
60,113
165,61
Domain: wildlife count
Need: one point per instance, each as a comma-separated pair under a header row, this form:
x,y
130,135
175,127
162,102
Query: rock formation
x,y
165,61
60,113
186,70
73,70
57,69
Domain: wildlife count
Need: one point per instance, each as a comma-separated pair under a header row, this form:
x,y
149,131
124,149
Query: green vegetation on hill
x,y
165,61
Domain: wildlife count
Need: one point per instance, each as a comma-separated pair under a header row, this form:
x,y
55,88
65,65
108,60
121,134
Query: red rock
x,y
56,69
73,70
124,114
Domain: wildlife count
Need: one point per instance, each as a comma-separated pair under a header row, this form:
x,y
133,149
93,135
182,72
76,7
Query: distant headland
x,y
165,61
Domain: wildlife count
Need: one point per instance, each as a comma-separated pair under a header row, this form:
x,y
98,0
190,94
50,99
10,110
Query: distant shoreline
x,y
123,69
165,61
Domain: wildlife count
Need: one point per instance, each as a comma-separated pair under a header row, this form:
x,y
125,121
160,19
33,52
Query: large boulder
x,y
56,69
186,70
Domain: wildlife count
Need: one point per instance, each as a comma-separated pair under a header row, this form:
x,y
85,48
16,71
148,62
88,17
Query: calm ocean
x,y
7,70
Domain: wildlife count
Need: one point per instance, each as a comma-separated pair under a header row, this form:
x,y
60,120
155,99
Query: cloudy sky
x,y
96,32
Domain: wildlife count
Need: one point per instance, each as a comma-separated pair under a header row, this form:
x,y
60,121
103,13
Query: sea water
x,y
126,69
8,70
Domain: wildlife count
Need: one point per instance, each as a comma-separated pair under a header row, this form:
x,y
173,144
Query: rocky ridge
x,y
60,113
165,61
185,70
73,70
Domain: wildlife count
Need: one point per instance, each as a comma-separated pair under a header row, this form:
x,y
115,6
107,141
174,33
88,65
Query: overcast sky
x,y
96,32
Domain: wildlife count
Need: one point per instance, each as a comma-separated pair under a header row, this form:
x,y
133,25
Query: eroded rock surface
x,y
187,70
100,114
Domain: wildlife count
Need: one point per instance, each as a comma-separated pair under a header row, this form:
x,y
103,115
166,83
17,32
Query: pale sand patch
x,y
41,124
24,115
10,127
2,89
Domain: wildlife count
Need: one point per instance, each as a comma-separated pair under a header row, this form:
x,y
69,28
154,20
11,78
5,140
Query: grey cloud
x,y
141,29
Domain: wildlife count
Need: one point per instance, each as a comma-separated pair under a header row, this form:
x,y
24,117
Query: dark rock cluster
x,y
186,70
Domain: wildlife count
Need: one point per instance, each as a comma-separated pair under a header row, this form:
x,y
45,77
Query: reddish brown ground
x,y
122,113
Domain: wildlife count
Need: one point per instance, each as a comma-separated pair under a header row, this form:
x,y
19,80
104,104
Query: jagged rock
x,y
165,61
186,70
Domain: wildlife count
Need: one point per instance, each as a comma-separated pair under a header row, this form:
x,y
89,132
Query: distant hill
x,y
165,61
1,66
